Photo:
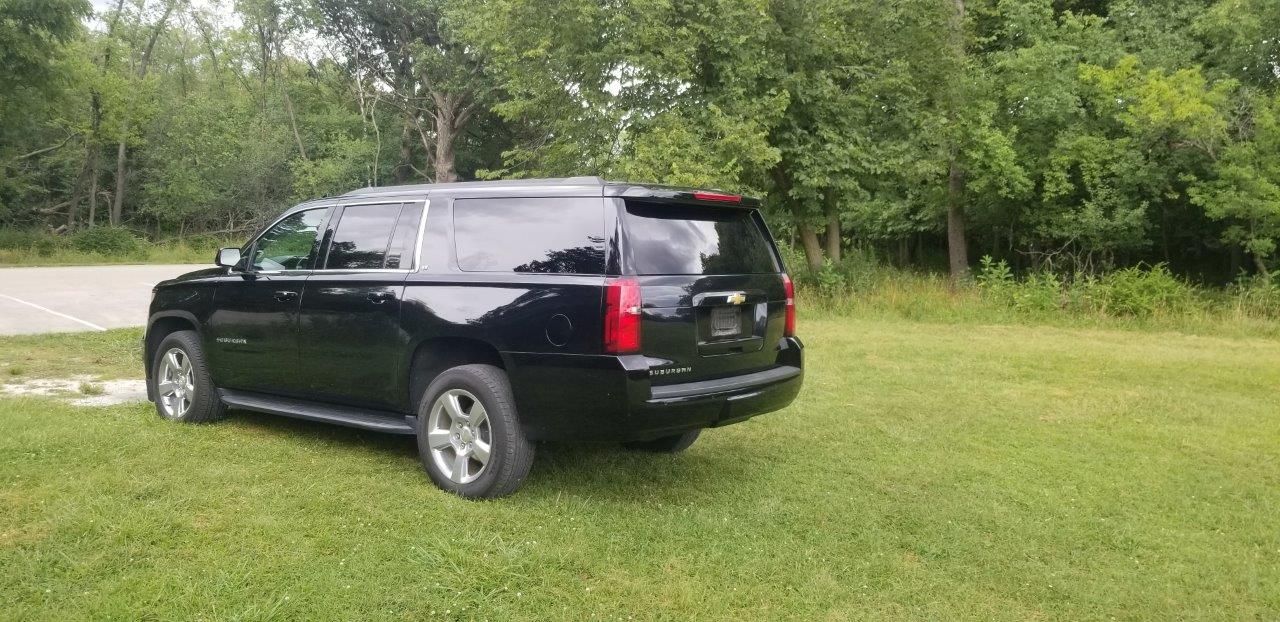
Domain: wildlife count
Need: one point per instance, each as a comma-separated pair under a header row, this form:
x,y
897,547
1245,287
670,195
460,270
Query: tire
x,y
195,401
673,444
452,442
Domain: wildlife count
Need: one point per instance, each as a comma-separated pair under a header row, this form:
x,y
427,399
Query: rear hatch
x,y
713,302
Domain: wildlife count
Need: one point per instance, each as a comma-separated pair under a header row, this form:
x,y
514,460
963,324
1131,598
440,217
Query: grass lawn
x,y
927,471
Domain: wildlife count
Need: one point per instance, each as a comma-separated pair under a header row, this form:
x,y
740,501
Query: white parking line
x,y
62,315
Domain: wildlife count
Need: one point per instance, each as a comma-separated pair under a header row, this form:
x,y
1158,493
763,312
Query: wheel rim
x,y
459,435
175,383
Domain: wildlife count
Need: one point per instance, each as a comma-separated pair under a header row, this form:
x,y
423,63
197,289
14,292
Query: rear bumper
x,y
603,398
677,408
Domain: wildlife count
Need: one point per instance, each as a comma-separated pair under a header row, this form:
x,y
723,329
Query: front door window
x,y
288,244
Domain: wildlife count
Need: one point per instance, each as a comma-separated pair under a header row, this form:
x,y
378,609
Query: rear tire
x,y
469,435
673,444
181,382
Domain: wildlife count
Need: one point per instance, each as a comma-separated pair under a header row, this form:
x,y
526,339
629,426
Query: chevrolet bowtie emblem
x,y
736,299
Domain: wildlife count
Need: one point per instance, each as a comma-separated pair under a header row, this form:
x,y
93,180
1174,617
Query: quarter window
x,y
546,235
287,244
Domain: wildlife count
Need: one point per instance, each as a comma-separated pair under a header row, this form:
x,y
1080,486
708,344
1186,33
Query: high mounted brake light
x,y
717,196
622,316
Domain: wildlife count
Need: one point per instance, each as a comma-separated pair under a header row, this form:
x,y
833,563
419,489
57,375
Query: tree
x,y
412,48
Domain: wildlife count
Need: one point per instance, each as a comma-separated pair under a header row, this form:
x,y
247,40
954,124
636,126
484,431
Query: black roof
x,y
563,186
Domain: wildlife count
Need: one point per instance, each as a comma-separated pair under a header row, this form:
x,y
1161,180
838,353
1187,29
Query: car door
x,y
350,340
254,322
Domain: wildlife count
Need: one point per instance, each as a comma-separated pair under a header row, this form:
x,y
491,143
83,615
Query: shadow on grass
x,y
595,470
274,425
609,471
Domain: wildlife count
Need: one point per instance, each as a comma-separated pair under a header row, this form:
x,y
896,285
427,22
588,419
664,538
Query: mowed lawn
x,y
927,471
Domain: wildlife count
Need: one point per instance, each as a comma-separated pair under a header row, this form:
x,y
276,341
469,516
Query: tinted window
x,y
363,234
675,239
287,244
530,235
400,252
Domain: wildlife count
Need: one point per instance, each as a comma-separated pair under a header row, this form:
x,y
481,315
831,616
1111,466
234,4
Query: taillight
x,y
790,330
622,316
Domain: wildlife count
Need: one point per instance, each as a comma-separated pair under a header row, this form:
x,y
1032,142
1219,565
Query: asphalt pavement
x,y
78,298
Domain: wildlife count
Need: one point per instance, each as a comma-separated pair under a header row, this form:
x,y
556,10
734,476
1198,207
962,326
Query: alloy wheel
x,y
459,436
176,383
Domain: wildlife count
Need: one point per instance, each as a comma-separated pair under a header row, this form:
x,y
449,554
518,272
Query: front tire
x,y
469,435
181,381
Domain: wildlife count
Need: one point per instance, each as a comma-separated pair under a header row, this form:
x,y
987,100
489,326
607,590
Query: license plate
x,y
726,321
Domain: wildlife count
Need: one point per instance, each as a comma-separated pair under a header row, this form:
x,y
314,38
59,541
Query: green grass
x,y
927,471
106,355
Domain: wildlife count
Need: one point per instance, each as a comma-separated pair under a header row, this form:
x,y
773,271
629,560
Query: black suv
x,y
482,317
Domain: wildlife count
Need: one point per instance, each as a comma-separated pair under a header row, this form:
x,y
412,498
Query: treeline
x,y
1072,135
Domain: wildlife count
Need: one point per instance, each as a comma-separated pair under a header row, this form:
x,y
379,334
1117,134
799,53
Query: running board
x,y
376,420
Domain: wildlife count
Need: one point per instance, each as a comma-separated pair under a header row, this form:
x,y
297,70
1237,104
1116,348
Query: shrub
x,y
1140,292
994,276
110,241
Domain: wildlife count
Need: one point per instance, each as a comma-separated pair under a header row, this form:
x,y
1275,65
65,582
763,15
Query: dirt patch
x,y
80,390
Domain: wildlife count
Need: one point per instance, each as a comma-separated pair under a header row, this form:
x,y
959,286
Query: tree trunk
x,y
957,247
117,200
1262,267
448,122
445,135
293,122
833,229
93,183
401,173
812,249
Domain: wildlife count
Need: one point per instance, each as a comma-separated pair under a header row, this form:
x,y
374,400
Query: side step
x,y
376,420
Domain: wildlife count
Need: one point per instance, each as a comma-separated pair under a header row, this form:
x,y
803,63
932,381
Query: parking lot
x,y
78,298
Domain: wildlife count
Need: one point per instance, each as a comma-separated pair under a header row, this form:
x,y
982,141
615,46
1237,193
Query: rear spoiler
x,y
716,198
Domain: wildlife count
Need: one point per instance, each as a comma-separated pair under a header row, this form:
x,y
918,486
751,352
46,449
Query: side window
x,y
287,244
564,236
362,237
400,253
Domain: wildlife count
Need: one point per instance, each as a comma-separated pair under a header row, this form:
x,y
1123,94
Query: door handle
x,y
378,298
286,296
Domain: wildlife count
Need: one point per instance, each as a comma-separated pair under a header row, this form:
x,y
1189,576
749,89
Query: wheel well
x,y
436,355
156,333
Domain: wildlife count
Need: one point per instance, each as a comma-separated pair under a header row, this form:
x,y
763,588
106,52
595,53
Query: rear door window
x,y
362,237
547,235
679,239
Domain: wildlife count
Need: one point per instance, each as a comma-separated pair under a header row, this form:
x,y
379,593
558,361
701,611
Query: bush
x,y
1140,292
1131,292
30,241
110,241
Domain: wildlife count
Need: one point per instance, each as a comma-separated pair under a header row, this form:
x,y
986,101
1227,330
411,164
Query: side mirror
x,y
227,257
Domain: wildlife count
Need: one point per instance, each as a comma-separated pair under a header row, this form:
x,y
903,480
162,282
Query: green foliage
x,y
1129,292
1068,136
111,241
1139,291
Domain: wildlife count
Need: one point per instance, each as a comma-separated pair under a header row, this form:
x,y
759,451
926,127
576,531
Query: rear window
x,y
677,239
564,236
